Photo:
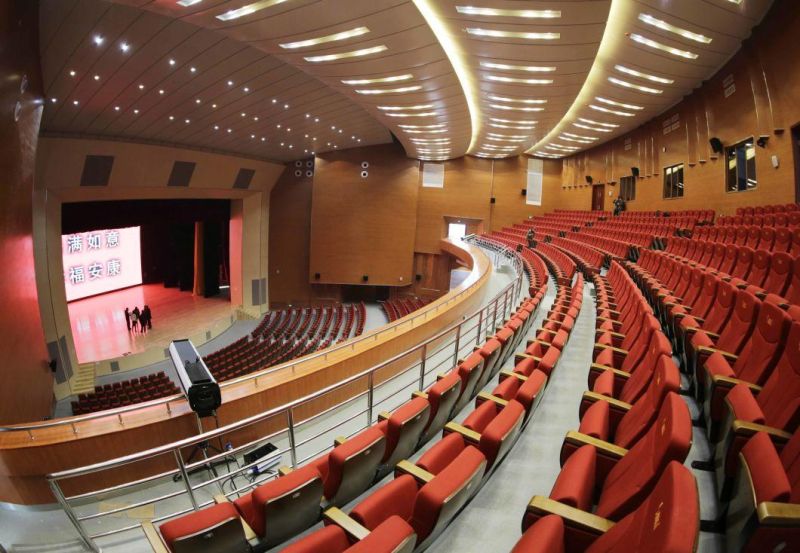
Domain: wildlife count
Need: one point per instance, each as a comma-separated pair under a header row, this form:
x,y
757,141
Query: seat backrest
x,y
659,358
491,351
404,428
753,237
743,262
767,238
330,539
721,310
731,251
780,397
741,235
718,257
641,414
638,353
668,521
760,268
790,459
740,324
471,371
217,529
500,434
780,272
352,466
633,477
706,297
792,293
442,396
764,346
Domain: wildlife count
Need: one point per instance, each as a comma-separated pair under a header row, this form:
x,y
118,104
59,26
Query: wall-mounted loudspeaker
x,y
493,200
298,163
762,141
365,278
635,172
309,174
524,192
298,173
589,179
716,145
365,164
317,276
364,174
418,277
310,163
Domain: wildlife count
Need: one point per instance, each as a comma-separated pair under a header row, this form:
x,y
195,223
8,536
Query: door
x,y
796,151
598,196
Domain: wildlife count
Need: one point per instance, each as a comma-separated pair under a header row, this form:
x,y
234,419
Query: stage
x,y
98,323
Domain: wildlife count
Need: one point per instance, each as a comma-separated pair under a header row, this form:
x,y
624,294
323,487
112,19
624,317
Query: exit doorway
x,y
598,197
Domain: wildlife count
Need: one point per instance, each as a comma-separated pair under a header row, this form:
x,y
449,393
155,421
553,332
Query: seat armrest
x,y
420,475
542,506
746,429
154,537
676,304
469,435
593,397
607,320
537,341
283,470
679,316
612,348
617,373
416,395
726,354
730,382
552,332
486,396
339,440
384,416
559,323
613,311
693,329
520,356
603,448
772,513
520,377
611,332
343,521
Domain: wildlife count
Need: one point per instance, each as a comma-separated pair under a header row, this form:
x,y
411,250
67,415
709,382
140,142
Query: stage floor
x,y
98,323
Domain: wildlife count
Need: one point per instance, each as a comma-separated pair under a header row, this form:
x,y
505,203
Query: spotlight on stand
x,y
196,380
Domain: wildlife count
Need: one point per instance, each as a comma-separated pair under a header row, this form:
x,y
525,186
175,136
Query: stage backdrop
x,y
100,261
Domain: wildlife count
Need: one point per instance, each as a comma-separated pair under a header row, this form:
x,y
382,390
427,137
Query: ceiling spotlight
x,y
161,91
98,40
172,61
54,100
75,102
197,100
72,73
116,108
193,69
172,118
246,89
230,83
97,77
141,87
136,112
124,46
216,127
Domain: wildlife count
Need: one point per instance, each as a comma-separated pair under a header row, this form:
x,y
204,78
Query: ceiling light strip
x,y
663,47
664,26
345,55
249,9
379,80
344,35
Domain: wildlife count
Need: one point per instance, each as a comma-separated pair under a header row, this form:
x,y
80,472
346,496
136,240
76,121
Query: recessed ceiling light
x,y
230,83
161,91
116,108
589,128
592,122
230,130
124,46
252,136
618,104
255,118
635,73
399,90
97,77
75,102
72,73
570,139
527,68
509,121
498,139
495,12
429,131
344,55
285,106
54,100
193,69
136,112
663,47
248,9
263,139
502,79
316,120
405,108
640,88
243,114
213,106
344,35
562,147
172,118
171,61
418,114
98,40
246,89
515,136
511,127
379,80
664,26
515,100
514,108
614,112
496,33
141,87
197,100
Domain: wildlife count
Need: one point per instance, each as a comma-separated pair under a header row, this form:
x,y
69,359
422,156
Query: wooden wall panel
x,y
364,226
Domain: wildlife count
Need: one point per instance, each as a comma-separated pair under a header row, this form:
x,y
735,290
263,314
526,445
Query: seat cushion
x,y
394,499
530,389
388,537
328,539
545,536
575,483
596,421
442,454
481,417
744,404
768,475
197,521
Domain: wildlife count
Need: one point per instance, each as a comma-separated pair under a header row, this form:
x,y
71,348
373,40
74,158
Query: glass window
x,y
741,166
456,230
627,188
673,181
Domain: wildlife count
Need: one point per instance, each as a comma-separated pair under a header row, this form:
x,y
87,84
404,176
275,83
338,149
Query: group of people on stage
x,y
139,321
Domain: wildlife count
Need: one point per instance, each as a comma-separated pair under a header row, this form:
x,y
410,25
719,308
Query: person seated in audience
x,y
619,205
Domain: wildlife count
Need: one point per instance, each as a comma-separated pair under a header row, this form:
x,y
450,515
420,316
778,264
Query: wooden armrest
x,y
730,382
421,475
154,537
613,402
553,332
440,376
384,416
773,513
284,470
741,285
339,440
612,348
486,396
343,521
726,354
606,320
614,334
559,323
588,522
537,341
745,428
675,304
603,448
221,498
507,374
612,311
469,435
520,356
617,373
761,294
422,395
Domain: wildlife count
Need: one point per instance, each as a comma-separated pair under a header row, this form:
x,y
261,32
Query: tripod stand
x,y
202,448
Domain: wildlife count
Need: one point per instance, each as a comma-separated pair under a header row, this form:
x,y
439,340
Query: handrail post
x,y
370,396
422,367
185,476
480,327
458,344
290,428
505,304
85,538
494,317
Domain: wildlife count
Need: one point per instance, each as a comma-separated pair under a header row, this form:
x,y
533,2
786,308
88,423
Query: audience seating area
x,y
124,393
400,307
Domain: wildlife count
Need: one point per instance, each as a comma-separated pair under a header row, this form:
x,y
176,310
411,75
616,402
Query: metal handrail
x,y
486,315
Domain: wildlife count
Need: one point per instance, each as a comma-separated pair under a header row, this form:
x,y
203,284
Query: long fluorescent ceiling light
x,y
497,120
647,76
187,3
526,68
614,112
664,26
579,136
568,139
405,108
663,47
618,104
249,9
515,100
343,55
502,79
518,136
496,33
344,35
495,12
399,90
514,108
434,126
511,127
588,128
592,122
392,79
457,60
429,131
632,86
419,114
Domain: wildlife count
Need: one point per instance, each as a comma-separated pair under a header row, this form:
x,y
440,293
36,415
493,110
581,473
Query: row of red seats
x,y
622,486
742,360
286,506
588,259
401,307
766,209
124,393
788,218
779,239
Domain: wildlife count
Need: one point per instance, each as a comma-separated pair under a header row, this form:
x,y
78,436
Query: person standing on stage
x,y
147,317
135,315
128,319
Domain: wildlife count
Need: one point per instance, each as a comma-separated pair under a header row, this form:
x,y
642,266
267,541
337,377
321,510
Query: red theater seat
x,y
217,528
403,429
442,397
394,535
493,427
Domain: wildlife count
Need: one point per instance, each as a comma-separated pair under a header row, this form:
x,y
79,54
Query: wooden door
x,y
598,194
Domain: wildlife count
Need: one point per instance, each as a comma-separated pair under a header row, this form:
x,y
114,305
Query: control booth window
x,y
741,166
673,181
627,188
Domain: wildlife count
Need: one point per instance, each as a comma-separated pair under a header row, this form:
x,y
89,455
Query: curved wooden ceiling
x,y
282,79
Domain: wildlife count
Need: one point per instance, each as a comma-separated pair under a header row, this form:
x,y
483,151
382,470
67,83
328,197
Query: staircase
x,y
82,382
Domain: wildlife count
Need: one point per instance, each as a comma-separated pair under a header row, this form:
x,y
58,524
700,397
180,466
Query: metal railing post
x,y
458,344
480,327
290,428
370,397
422,367
185,476
494,317
85,538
